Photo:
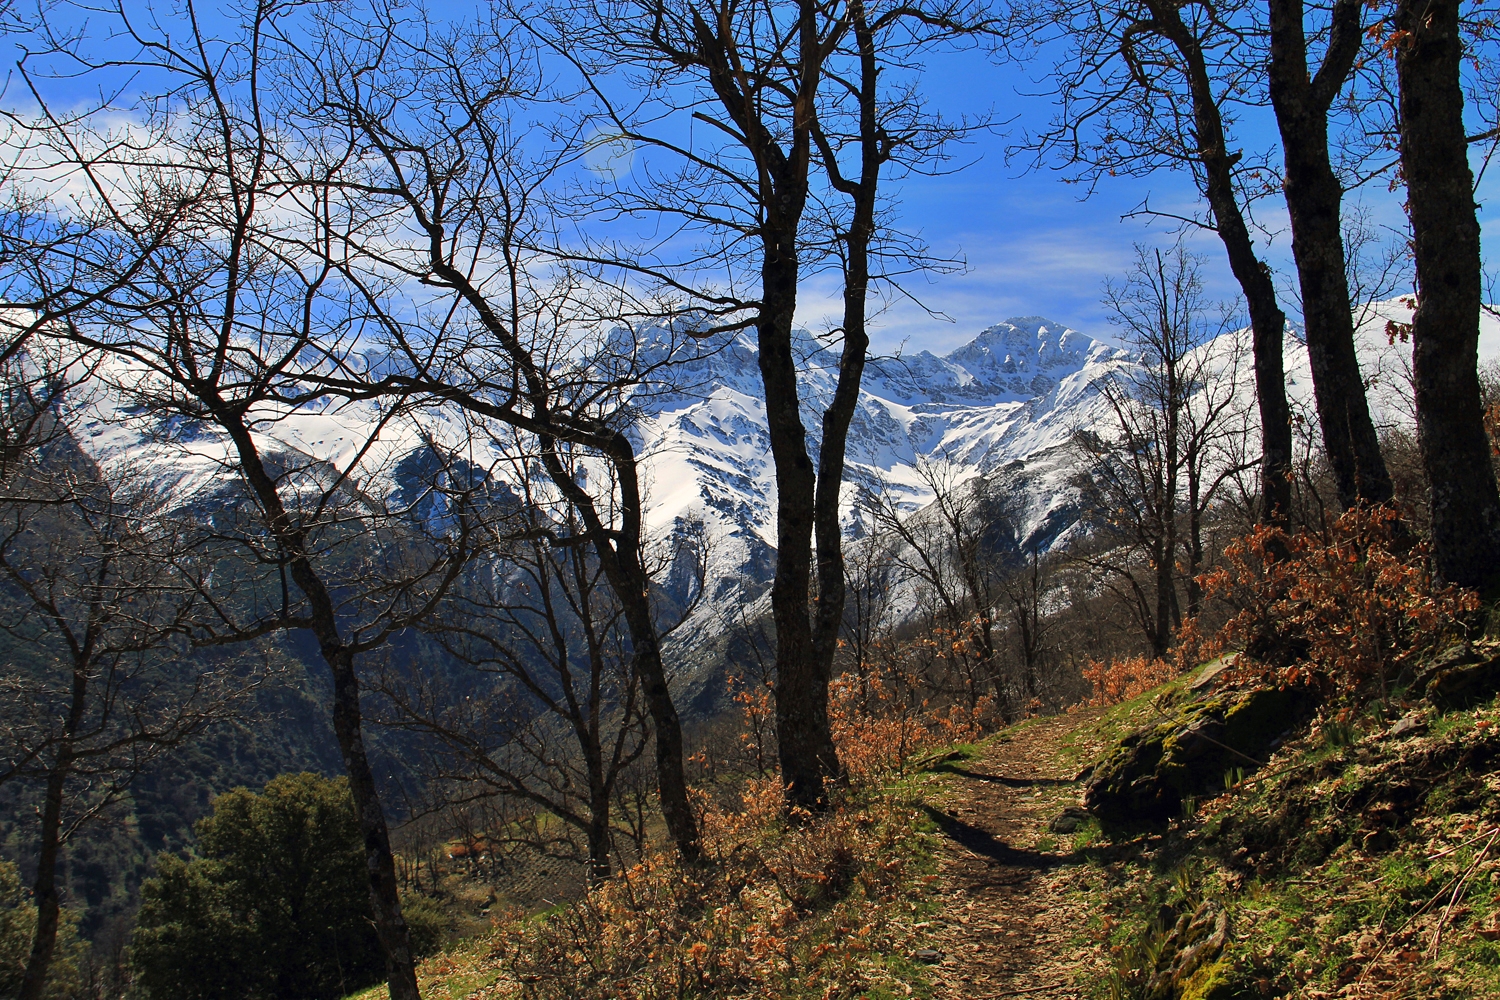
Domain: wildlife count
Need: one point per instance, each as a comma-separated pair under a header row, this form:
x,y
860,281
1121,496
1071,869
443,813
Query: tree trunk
x,y
671,781
1195,537
44,888
804,740
1314,198
1445,327
598,836
631,583
1267,322
385,900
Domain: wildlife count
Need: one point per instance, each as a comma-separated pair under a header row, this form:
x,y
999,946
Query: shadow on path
x,y
984,843
998,779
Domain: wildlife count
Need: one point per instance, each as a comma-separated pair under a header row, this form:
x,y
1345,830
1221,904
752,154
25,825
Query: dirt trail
x,y
1006,928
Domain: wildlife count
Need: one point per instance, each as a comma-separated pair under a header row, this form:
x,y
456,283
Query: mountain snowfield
x,y
1007,403
1018,390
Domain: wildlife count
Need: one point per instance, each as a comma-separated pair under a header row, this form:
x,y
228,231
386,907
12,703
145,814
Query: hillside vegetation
x,y
1360,862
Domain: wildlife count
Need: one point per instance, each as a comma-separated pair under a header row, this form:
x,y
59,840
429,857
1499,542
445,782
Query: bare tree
x,y
871,576
761,69
445,194
1156,83
778,85
1030,625
100,685
1160,465
232,306
1465,504
958,549
557,720
1302,98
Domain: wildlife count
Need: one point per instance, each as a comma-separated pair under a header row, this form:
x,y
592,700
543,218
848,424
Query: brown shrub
x,y
1341,612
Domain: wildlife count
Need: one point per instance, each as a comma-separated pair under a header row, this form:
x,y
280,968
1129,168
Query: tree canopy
x,y
276,906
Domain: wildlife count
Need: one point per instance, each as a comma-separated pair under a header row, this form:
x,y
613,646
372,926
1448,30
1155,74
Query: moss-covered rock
x,y
1459,677
1215,981
1144,780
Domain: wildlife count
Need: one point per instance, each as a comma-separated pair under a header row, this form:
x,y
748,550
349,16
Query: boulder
x,y
1142,782
1069,820
1458,677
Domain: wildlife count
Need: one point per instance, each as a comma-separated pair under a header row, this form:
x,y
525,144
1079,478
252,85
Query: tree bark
x,y
1267,322
621,559
1445,327
44,887
804,739
598,837
1314,199
385,900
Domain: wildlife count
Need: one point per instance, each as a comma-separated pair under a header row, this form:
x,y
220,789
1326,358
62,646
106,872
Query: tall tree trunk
x,y
44,889
804,740
619,553
1314,198
1445,327
1267,322
385,900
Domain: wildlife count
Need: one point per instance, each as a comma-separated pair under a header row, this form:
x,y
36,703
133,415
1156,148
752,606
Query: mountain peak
x,y
1024,356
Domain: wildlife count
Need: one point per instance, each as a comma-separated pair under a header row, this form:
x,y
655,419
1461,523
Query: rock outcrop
x,y
1185,966
1459,677
1143,782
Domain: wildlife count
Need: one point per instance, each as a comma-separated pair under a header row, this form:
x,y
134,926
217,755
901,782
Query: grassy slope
x,y
1358,863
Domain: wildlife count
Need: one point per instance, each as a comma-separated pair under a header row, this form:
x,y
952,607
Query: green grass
x,y
1332,905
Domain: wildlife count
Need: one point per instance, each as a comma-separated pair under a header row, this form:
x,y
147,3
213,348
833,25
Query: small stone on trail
x,y
1069,820
1407,725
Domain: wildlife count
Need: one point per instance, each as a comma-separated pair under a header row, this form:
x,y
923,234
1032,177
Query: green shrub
x,y
18,925
277,906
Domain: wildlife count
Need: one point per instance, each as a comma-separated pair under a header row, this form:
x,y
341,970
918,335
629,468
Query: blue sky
x,y
1036,245
1033,245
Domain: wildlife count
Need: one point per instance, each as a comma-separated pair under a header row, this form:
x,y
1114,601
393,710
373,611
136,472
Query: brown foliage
x,y
795,905
1120,680
1340,611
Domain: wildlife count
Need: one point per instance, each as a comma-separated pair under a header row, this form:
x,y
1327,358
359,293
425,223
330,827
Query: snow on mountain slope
x,y
1020,388
1005,404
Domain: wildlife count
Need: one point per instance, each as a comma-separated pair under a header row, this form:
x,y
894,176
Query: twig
x,y
1461,846
1359,983
1437,935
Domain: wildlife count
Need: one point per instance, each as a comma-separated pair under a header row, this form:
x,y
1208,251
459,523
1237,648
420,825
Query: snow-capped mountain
x,y
1004,405
1017,391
